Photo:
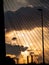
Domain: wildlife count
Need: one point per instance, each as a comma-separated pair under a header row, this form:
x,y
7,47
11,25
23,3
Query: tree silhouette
x,y
9,60
16,49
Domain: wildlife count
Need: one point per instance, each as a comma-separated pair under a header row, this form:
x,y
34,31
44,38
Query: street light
x,y
41,10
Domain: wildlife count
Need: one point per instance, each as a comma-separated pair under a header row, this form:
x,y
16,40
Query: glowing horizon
x,y
28,38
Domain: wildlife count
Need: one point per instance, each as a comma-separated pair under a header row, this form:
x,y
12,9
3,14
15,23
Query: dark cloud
x,y
33,2
15,49
25,18
44,1
36,3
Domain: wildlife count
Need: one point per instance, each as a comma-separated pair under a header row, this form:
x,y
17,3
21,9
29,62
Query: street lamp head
x,y
40,9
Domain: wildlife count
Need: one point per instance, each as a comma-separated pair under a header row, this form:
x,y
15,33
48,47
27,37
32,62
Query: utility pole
x,y
42,33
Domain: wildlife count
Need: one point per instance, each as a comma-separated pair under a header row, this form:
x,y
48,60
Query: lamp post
x,y
41,10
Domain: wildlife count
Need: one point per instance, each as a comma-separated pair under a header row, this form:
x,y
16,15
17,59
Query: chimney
x,y
31,58
27,59
17,60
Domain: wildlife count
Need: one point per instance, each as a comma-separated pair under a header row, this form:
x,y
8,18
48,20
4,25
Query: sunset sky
x,y
23,21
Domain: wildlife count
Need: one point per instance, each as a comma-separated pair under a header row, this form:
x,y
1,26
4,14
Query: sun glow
x,y
28,38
